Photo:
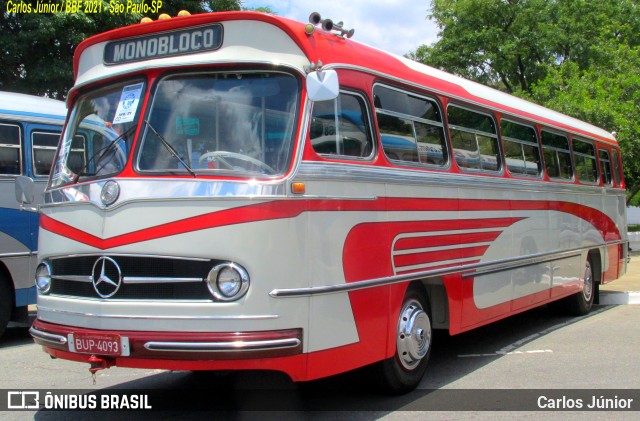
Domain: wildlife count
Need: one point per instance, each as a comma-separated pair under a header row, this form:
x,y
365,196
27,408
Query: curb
x,y
616,297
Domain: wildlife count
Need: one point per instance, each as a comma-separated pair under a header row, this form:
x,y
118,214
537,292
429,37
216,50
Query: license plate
x,y
99,344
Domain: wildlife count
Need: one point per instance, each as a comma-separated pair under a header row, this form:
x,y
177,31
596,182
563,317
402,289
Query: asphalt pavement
x,y
625,290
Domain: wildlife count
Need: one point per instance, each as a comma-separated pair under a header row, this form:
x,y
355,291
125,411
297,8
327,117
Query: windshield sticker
x,y
189,126
128,104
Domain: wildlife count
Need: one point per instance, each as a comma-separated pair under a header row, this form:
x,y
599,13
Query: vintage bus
x,y
281,197
30,128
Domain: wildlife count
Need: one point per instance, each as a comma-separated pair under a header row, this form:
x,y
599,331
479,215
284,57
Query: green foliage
x,y
633,228
579,57
224,5
37,48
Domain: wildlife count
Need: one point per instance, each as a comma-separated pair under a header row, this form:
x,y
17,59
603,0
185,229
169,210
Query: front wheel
x,y
580,304
403,372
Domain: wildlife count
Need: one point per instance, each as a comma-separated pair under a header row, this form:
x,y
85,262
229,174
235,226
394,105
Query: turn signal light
x,y
298,188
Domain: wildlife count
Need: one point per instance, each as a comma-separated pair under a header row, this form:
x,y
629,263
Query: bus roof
x,y
337,52
31,108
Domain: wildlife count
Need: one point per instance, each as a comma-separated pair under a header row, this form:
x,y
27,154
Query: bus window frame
x,y
572,179
447,165
500,155
616,160
19,146
601,163
34,147
537,144
81,94
151,87
575,154
368,125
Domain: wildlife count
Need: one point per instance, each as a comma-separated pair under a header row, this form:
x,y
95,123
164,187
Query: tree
x,y
224,5
576,56
606,97
36,49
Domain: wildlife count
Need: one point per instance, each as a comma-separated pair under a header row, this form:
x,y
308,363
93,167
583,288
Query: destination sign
x,y
164,44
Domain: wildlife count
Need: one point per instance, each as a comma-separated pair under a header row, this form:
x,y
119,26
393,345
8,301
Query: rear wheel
x,y
6,303
403,372
580,304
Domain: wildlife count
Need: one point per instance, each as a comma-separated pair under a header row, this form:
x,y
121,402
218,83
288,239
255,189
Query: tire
x,y
404,371
6,304
581,303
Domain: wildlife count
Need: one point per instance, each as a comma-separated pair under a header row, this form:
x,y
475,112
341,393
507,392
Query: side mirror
x,y
323,85
24,190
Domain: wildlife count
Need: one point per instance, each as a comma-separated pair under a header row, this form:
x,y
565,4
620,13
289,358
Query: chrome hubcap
x,y
587,289
414,335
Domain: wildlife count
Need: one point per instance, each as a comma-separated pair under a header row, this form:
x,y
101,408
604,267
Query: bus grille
x,y
142,277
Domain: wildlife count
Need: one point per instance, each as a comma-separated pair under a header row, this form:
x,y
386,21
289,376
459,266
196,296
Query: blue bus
x,y
30,128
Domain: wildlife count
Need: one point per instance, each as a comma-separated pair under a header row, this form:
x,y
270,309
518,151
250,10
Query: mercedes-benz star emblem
x,y
106,277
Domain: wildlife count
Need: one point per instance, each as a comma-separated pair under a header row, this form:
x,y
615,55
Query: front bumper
x,y
180,345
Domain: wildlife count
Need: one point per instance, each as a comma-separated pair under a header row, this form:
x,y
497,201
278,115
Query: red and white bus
x,y
265,194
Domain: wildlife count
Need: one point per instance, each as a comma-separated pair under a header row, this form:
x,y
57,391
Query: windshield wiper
x,y
102,153
170,148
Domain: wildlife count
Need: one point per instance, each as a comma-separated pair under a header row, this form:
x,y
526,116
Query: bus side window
x,y
10,156
521,149
557,156
474,139
411,128
584,155
617,174
605,165
43,145
340,127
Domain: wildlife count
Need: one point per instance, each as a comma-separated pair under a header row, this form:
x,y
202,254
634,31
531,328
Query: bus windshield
x,y
99,134
241,123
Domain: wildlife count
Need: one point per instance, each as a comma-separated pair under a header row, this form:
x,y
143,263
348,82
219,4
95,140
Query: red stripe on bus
x,y
292,208
436,267
438,256
444,240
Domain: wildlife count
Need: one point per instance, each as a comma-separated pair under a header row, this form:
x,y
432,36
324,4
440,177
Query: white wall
x,y
633,215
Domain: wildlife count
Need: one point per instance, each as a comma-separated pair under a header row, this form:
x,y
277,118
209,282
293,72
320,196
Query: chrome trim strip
x,y
536,259
155,190
136,300
128,279
436,177
74,278
43,309
145,280
522,262
21,254
157,256
479,268
238,346
48,337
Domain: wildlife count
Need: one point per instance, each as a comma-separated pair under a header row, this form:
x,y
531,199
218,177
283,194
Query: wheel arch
x,y
5,276
436,295
597,271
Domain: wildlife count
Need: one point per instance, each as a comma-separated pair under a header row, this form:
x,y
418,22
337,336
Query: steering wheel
x,y
221,155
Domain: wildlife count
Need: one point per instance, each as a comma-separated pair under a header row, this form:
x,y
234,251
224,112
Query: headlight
x,y
43,277
228,281
110,192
